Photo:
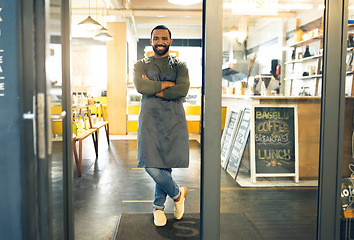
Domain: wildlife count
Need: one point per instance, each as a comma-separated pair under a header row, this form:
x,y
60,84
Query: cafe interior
x,y
270,59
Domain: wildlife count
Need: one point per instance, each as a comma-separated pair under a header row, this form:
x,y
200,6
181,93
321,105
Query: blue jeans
x,y
164,186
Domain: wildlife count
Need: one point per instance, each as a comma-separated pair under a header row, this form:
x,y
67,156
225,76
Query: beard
x,y
160,52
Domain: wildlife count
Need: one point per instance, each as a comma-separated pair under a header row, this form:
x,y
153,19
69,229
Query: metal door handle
x,y
28,116
58,116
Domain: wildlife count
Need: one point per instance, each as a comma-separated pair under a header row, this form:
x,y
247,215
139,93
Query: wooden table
x,y
93,131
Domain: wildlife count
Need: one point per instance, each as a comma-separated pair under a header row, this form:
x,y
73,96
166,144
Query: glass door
x,y
59,119
35,161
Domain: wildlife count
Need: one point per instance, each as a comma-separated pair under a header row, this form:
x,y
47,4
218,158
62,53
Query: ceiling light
x,y
102,30
103,37
184,2
89,24
231,32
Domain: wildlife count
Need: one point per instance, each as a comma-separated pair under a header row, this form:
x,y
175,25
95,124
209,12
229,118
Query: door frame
x,y
210,124
69,226
332,118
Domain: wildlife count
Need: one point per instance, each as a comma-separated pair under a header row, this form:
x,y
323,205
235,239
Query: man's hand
x,y
166,84
160,94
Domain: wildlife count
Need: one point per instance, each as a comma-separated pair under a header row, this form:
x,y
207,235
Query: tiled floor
x,y
112,185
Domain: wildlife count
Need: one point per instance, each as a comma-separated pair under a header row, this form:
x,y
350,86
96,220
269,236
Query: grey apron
x,y
163,140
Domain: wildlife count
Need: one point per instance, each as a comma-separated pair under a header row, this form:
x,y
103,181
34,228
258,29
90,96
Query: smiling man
x,y
163,141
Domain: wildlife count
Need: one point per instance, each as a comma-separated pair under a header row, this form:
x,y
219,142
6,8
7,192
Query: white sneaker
x,y
179,205
159,218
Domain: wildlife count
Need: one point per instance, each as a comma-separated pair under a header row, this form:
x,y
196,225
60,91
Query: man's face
x,y
160,42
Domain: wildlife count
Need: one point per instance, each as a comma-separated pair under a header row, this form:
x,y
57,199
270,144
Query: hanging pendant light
x,y
102,33
103,30
232,32
89,23
103,36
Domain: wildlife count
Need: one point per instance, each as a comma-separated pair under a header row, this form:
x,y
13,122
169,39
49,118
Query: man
x,y
163,141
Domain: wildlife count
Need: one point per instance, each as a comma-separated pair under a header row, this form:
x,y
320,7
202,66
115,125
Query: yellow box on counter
x,y
57,127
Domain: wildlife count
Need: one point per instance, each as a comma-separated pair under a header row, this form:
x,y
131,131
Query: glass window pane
x,y
347,232
54,78
272,75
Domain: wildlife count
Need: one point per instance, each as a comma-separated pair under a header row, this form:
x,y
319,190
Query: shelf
x,y
301,43
304,77
304,59
311,77
287,97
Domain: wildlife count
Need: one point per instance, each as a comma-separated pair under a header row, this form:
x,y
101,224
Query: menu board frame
x,y
239,143
232,130
292,142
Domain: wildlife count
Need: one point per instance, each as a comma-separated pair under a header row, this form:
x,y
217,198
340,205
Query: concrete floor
x,y
111,185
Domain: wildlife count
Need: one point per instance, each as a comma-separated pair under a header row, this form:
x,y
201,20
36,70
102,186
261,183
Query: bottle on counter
x,y
86,122
94,119
263,89
80,125
74,126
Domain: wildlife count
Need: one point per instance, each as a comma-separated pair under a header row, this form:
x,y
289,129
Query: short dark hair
x,y
160,27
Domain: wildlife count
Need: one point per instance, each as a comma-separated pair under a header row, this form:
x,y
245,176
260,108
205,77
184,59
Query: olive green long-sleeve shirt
x,y
149,87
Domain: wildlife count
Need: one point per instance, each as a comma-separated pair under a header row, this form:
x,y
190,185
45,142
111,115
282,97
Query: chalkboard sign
x,y
239,143
274,141
231,124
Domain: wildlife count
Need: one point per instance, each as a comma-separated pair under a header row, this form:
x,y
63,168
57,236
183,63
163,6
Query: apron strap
x,y
173,64
151,63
